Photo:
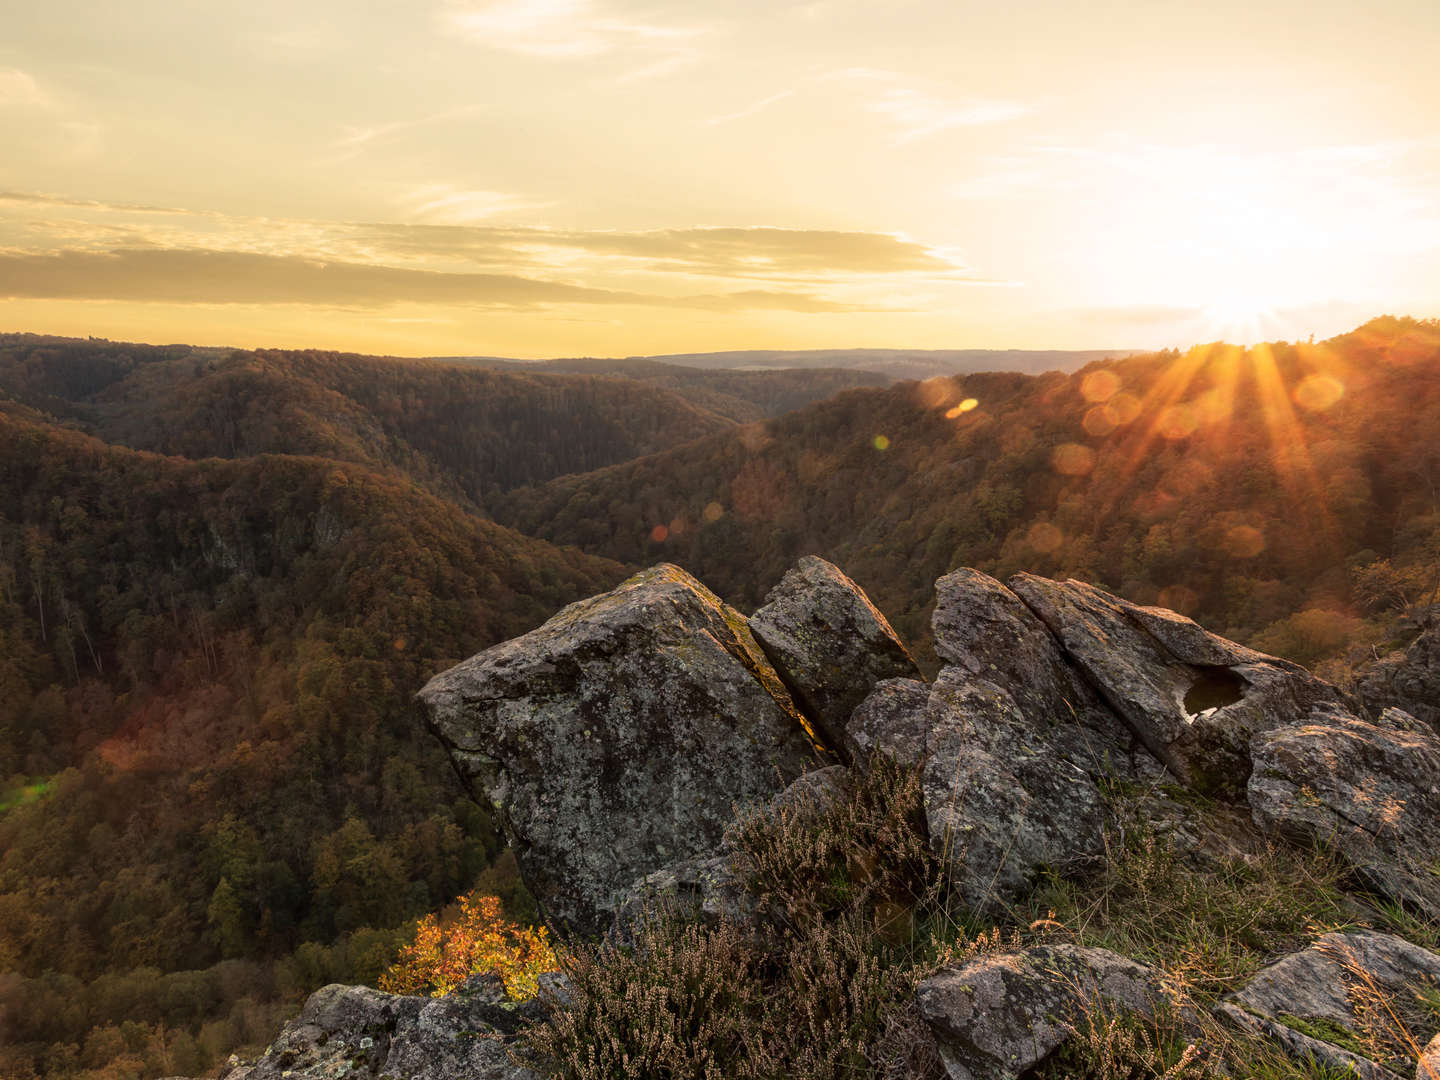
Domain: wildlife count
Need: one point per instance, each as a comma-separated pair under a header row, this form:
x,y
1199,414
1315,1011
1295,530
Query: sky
x,y
603,177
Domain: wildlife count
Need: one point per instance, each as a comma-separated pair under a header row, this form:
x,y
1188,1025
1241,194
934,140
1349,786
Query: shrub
x,y
481,940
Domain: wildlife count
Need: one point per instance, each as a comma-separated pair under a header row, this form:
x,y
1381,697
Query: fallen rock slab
x,y
1372,792
999,1015
829,643
619,737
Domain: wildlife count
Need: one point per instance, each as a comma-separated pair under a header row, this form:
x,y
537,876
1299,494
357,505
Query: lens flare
x,y
1178,422
1244,542
659,534
713,512
1072,459
1044,537
1100,386
1316,393
882,442
1100,421
964,407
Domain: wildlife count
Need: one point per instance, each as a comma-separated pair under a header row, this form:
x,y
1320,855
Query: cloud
x,y
919,115
20,90
447,204
561,29
229,277
751,110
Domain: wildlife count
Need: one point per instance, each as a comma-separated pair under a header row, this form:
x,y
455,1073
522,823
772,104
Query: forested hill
x,y
219,794
460,430
737,395
1285,494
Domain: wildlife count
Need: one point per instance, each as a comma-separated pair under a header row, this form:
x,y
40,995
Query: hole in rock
x,y
1214,688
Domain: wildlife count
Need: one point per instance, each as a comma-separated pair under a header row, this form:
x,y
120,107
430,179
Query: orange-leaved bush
x,y
480,941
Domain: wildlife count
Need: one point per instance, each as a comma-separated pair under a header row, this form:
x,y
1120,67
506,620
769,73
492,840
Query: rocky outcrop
x,y
1370,791
999,1015
619,737
829,643
355,1031
1195,699
1408,679
1428,1067
1312,1001
892,722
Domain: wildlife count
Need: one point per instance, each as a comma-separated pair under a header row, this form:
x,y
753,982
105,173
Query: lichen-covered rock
x,y
829,643
1371,792
1408,679
619,737
891,721
1195,699
986,631
1003,798
354,1031
999,1015
1310,1001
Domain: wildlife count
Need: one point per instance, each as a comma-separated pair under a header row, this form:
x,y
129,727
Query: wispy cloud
x,y
918,115
229,277
451,205
19,89
562,29
751,110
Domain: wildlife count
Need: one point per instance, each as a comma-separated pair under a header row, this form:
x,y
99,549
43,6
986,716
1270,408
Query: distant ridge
x,y
895,363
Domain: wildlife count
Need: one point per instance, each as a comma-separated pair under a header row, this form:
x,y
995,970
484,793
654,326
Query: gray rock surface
x,y
1003,798
1408,679
1195,699
1315,990
355,1031
892,721
985,630
1372,792
829,643
619,737
999,1015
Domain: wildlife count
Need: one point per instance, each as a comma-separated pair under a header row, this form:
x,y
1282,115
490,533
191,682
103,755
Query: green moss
x,y
1325,1030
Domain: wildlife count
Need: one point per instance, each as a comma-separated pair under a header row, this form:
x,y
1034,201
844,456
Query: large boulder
x,y
829,643
1408,679
619,737
357,1031
1003,798
1195,699
891,722
999,1015
1371,791
1329,1001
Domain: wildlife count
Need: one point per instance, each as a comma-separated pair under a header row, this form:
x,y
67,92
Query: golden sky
x,y
602,177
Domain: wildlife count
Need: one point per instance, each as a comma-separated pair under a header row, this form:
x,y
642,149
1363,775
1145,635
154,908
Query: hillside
x,y
459,430
217,795
1248,488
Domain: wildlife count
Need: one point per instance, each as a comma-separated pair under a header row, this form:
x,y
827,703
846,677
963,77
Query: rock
x,y
829,643
891,721
619,737
1408,679
1428,1067
1310,1001
1002,797
1372,792
703,887
999,1015
357,1031
1195,699
986,631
